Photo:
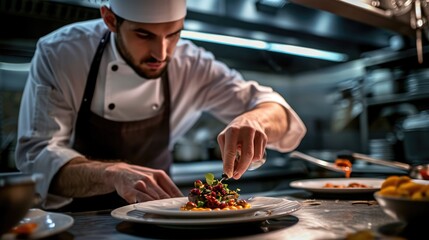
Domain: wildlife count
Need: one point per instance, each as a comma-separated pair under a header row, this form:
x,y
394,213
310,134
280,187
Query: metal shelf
x,y
363,12
396,98
406,60
390,58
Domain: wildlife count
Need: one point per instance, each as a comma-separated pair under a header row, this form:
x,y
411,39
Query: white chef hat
x,y
149,11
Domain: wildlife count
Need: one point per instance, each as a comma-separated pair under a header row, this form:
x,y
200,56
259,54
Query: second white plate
x,y
171,207
48,223
317,185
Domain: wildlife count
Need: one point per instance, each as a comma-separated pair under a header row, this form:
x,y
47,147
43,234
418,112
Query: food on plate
x,y
24,229
350,185
362,235
344,164
424,173
213,195
404,186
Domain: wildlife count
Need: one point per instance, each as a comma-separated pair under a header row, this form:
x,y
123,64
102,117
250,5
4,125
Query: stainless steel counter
x,y
317,219
321,217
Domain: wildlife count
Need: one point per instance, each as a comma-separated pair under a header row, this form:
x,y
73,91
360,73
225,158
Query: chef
x,y
106,100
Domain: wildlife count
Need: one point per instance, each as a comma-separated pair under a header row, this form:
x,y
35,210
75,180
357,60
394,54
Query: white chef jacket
x,y
56,82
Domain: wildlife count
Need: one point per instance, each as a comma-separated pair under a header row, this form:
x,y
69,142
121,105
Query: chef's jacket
x,y
56,82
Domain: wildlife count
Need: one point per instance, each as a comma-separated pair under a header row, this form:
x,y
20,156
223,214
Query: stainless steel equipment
x,y
415,171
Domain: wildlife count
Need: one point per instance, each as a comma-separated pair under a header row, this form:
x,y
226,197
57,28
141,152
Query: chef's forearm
x,y
81,177
273,118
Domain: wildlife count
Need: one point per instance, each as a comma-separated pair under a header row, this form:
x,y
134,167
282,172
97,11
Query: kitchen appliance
x,y
415,171
415,130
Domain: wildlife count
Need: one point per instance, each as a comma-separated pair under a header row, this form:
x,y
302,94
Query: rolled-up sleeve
x,y
45,126
207,85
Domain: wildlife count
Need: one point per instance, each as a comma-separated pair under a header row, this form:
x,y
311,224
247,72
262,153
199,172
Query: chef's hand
x,y
81,177
249,134
139,184
245,135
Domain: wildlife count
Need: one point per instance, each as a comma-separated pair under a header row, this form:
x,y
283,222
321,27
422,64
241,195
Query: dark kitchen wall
x,y
314,95
290,24
314,88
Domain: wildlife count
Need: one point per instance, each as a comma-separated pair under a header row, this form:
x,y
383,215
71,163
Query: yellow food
x,y
361,235
403,179
197,209
390,181
410,187
389,191
403,186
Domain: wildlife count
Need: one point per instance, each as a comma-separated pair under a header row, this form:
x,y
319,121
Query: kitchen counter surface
x,y
319,218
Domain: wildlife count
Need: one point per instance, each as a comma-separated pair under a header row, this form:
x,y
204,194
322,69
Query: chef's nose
x,y
159,50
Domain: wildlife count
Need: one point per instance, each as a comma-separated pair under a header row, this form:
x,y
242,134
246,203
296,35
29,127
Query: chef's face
x,y
147,47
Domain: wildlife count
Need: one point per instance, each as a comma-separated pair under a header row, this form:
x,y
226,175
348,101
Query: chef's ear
x,y
109,18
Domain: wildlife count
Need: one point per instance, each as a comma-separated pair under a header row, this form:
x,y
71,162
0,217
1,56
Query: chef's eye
x,y
144,35
174,35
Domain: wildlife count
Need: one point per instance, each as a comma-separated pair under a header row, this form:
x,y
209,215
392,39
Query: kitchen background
x,y
372,99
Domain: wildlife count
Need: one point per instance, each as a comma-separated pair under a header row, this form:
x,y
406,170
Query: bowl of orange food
x,y
17,196
404,199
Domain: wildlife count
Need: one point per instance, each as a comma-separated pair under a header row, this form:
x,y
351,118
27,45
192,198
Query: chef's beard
x,y
139,71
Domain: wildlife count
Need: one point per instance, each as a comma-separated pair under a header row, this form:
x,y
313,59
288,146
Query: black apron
x,y
143,142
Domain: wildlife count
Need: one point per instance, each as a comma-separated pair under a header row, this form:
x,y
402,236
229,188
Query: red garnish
x,y
345,164
24,228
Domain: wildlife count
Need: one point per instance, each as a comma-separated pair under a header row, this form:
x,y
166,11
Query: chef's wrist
x,y
113,172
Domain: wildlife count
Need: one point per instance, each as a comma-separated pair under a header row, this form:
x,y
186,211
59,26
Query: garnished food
x,y
350,185
404,186
213,195
344,164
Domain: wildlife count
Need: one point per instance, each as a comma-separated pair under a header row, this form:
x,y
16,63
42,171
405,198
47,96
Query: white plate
x,y
421,181
48,223
317,185
171,207
131,214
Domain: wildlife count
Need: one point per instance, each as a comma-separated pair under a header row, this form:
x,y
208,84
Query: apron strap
x,y
87,134
85,107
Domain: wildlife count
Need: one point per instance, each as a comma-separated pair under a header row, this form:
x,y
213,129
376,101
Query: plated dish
x,y
318,185
213,194
171,207
132,214
47,224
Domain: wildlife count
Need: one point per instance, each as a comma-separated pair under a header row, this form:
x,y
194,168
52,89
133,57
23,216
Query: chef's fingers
x,y
167,185
160,179
136,196
152,190
160,185
260,143
246,151
230,150
142,197
221,142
